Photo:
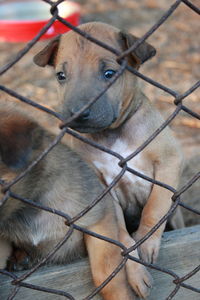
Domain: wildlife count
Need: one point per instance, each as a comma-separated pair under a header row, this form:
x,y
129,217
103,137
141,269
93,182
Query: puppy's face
x,y
83,69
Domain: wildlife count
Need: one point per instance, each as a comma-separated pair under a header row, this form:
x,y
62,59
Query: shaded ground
x,y
176,65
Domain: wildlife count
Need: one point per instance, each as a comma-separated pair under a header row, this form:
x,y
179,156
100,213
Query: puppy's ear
x,y
141,54
17,140
48,54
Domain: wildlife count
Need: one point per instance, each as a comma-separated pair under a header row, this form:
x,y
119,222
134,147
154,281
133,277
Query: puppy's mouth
x,y
91,127
88,129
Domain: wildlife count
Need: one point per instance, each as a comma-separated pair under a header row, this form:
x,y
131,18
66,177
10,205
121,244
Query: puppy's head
x,y
17,140
83,69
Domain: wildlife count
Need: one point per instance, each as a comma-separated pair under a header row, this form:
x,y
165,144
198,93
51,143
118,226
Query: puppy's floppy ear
x,y
17,140
141,54
47,55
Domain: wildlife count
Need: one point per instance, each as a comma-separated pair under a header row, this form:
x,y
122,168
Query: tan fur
x,y
60,181
99,250
121,120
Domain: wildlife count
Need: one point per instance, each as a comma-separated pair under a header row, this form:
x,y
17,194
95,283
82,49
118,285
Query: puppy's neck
x,y
129,108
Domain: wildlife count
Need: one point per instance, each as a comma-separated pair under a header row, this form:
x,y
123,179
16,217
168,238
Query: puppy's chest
x,y
130,189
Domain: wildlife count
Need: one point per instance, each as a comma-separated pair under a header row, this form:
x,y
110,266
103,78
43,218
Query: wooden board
x,y
180,252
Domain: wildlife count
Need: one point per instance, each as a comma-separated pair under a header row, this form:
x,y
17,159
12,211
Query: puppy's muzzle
x,y
95,118
83,117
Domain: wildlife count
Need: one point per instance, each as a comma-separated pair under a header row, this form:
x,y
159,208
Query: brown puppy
x,y
64,182
122,119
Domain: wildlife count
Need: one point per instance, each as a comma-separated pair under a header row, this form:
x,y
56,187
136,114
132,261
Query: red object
x,y
25,30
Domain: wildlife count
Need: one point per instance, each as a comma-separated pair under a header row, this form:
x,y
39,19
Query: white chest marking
x,y
108,164
38,237
130,188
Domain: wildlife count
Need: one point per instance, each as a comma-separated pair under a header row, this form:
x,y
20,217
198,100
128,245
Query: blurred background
x,y
176,65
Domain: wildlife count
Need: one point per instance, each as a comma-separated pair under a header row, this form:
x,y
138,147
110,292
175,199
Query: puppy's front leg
x,y
156,207
138,277
104,258
5,252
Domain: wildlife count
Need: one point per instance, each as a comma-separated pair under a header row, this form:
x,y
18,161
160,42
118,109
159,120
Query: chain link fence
x,y
179,281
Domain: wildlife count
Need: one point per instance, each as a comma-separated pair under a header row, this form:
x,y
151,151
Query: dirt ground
x,y
176,65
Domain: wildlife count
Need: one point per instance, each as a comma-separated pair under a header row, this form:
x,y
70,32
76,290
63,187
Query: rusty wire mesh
x,y
18,281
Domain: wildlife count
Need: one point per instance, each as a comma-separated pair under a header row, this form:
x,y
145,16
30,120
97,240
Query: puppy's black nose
x,y
84,116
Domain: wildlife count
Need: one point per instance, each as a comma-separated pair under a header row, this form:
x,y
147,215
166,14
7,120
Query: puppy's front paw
x,y
139,279
148,251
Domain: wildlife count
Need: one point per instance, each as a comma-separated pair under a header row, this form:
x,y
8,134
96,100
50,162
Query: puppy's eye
x,y
61,76
108,74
